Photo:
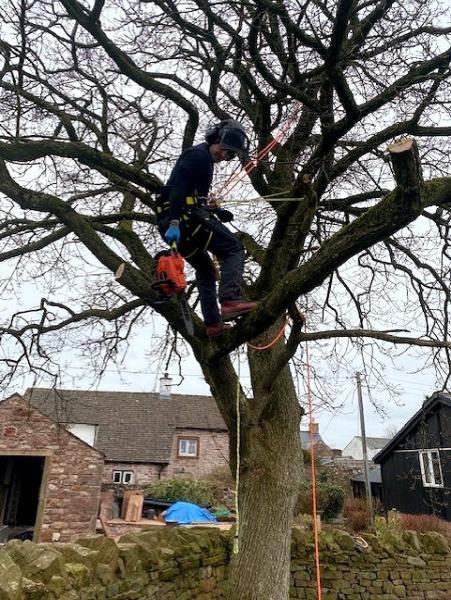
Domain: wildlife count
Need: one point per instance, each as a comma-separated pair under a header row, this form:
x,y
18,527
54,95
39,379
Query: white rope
x,y
237,469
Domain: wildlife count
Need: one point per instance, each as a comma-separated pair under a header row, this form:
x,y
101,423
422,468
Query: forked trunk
x,y
269,485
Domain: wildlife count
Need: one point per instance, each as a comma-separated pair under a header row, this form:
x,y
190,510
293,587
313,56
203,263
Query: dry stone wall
x,y
191,564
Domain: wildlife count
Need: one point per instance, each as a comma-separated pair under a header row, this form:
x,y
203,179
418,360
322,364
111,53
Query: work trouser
x,y
201,232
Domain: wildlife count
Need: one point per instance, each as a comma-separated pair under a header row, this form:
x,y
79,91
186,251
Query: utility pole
x,y
364,450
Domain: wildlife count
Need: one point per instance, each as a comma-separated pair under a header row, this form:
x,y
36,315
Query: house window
x,y
431,469
126,477
188,447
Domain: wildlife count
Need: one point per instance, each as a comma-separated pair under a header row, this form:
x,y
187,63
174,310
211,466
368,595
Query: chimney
x,y
314,428
165,387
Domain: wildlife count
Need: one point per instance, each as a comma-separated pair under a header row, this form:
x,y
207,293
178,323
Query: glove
x,y
225,216
173,232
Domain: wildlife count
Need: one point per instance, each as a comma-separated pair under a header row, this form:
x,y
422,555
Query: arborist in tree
x,y
185,217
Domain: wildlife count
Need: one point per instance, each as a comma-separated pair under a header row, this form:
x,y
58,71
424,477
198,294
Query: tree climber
x,y
185,217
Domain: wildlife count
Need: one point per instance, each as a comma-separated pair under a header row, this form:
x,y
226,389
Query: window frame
x,y
122,473
187,438
427,468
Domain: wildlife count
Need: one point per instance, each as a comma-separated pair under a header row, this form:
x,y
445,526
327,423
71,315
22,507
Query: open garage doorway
x,y
21,479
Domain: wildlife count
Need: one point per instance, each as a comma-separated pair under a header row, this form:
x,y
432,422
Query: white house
x,y
373,445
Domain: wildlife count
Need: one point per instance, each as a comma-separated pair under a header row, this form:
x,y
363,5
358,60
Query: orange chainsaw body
x,y
169,273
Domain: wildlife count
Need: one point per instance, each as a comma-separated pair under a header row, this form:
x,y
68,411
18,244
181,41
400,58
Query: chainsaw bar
x,y
186,312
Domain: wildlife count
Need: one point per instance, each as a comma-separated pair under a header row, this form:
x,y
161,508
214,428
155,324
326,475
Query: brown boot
x,y
230,309
216,329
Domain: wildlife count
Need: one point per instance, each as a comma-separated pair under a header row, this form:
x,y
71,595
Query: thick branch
x,y
383,336
29,151
395,211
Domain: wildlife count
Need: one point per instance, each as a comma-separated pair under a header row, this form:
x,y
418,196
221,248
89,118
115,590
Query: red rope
x,y
272,342
253,162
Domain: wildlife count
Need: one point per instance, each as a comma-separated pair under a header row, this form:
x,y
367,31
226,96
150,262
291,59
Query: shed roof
x,y
132,426
374,475
438,398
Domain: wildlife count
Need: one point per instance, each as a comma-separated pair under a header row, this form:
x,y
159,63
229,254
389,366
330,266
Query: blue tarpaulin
x,y
186,513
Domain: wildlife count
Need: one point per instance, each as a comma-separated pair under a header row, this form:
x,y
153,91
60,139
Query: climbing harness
x,y
170,281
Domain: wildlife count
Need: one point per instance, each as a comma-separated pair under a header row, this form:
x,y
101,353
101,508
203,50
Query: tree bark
x,y
269,485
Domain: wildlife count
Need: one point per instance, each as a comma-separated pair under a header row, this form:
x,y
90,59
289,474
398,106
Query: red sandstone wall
x,y
72,476
144,473
213,453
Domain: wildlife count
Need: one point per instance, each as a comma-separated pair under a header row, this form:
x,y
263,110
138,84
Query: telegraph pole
x,y
364,450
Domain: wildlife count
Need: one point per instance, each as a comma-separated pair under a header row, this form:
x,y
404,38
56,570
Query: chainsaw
x,y
170,281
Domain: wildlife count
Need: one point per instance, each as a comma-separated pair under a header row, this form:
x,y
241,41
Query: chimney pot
x,y
165,387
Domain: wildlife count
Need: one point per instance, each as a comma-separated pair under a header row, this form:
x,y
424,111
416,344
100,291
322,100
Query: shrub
x,y
356,514
391,523
425,523
186,490
223,486
330,499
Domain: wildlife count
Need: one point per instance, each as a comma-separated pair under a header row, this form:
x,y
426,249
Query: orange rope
x,y
253,162
272,342
313,470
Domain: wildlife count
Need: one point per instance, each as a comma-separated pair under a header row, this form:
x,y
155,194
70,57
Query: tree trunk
x,y
269,485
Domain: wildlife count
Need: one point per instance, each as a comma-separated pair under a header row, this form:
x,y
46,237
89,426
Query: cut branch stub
x,y
406,164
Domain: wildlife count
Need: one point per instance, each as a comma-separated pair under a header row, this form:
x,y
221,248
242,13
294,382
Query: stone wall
x,y
213,453
339,471
386,567
165,564
191,564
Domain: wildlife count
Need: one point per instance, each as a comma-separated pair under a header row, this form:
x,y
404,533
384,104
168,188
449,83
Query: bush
x,y
330,499
186,490
356,514
425,523
223,486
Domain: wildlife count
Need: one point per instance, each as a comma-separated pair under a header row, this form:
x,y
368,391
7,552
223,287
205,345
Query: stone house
x,y
312,435
50,480
143,436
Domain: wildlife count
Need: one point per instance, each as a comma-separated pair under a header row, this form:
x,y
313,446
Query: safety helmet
x,y
230,135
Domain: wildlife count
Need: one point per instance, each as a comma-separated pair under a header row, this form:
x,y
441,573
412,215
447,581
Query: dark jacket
x,y
191,176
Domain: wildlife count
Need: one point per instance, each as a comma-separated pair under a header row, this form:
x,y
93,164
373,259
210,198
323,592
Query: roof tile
x,y
132,426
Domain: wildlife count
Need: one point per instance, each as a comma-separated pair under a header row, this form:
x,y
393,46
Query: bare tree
x,y
96,97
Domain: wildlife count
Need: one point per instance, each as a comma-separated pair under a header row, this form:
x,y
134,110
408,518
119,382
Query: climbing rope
x,y
313,475
235,179
236,538
273,342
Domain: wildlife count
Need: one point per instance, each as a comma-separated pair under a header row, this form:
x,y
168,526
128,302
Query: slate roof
x,y
131,427
306,440
441,398
374,475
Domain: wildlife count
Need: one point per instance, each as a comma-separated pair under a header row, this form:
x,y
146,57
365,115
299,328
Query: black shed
x,y
416,463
